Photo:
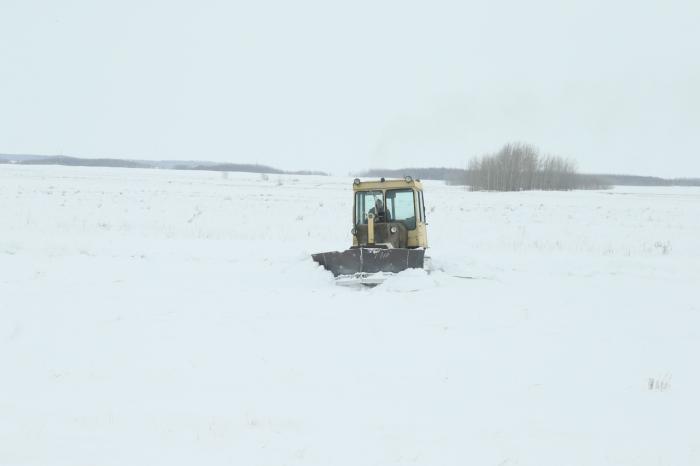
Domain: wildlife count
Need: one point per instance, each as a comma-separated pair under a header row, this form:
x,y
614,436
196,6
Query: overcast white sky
x,y
353,85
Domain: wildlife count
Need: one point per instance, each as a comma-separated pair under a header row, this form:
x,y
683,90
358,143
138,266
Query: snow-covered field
x,y
164,317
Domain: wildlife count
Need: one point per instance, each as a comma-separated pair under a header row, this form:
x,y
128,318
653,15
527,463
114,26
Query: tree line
x,y
635,180
161,164
429,173
516,167
520,167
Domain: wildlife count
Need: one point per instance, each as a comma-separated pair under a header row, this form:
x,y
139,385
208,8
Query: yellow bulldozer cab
x,y
397,205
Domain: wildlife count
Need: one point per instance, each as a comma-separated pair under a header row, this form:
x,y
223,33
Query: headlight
x,y
393,229
407,179
356,181
353,232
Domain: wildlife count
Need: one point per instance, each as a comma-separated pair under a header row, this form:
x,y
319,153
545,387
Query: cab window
x,y
401,207
364,201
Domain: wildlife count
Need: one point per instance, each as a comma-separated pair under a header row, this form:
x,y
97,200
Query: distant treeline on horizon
x,y
161,164
453,176
521,167
460,176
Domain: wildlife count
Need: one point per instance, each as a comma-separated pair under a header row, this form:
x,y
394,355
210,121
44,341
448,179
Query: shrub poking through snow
x,y
659,384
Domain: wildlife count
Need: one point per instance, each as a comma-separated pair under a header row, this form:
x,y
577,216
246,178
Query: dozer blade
x,y
370,260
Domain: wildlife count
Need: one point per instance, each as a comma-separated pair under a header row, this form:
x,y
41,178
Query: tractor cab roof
x,y
406,182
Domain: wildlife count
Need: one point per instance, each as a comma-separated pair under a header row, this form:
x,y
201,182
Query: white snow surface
x,y
175,317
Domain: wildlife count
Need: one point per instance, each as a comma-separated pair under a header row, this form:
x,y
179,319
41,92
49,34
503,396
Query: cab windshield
x,y
401,208
398,206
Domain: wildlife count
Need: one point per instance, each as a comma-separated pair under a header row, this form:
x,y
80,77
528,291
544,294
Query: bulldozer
x,y
388,235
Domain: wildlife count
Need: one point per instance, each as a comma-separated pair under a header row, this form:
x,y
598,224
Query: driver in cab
x,y
380,213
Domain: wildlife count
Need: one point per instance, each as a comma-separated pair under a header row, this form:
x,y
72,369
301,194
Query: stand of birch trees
x,y
520,167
